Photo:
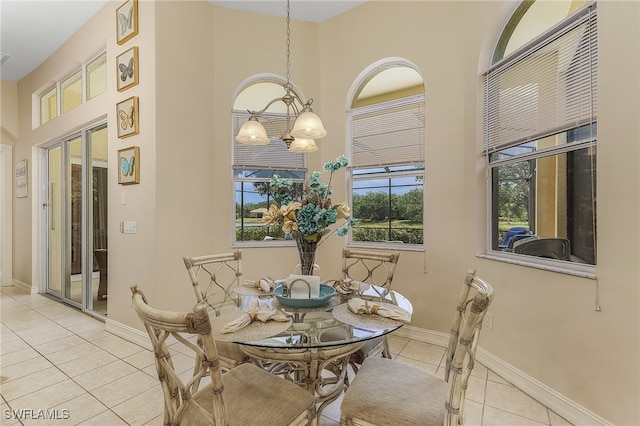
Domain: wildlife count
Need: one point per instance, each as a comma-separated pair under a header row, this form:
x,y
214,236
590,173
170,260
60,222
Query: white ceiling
x,y
31,30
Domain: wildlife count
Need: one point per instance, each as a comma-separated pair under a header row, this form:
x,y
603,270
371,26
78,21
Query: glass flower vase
x,y
307,254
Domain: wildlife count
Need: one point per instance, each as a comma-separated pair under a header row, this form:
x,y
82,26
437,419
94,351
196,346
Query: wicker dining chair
x,y
245,395
220,275
389,392
377,268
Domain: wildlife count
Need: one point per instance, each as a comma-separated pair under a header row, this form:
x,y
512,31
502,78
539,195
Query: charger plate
x,y
343,314
255,331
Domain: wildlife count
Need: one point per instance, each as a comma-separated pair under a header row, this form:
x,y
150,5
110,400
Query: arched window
x,y
540,116
386,155
254,165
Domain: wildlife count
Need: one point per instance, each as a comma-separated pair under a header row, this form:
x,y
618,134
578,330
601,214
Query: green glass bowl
x,y
326,293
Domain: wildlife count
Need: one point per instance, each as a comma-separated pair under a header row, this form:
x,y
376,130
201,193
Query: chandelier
x,y
306,127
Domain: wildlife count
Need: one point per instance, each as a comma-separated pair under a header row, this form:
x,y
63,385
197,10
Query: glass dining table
x,y
313,347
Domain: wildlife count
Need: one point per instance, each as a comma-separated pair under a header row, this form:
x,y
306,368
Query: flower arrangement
x,y
308,219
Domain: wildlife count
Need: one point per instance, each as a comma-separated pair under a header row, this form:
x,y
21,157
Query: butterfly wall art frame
x,y
127,116
127,69
127,21
129,165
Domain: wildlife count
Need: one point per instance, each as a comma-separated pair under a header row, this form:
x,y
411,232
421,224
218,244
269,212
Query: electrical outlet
x,y
129,227
488,320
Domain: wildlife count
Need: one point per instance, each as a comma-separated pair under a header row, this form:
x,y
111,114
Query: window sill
x,y
568,268
386,246
263,243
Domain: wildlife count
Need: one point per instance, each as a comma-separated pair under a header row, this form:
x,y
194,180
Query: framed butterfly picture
x,y
127,21
129,165
127,69
127,116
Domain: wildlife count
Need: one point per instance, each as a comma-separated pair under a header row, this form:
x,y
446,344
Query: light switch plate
x,y
129,227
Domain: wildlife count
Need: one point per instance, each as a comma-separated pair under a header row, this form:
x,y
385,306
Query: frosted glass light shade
x,y
303,145
308,126
252,132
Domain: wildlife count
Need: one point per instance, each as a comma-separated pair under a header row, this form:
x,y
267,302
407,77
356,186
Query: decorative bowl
x,y
326,293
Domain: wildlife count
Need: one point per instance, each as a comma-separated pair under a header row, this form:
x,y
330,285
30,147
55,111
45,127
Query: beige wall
x,y
544,322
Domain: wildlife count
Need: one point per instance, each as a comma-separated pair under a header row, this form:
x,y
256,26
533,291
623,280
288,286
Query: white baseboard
x,y
131,334
560,404
26,287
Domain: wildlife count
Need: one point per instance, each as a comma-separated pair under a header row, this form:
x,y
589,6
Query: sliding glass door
x,y
76,217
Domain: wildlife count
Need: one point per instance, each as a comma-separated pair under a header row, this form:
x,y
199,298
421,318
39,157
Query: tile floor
x,y
55,358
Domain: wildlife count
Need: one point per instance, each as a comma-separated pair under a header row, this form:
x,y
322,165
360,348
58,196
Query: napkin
x,y
346,286
257,311
359,306
264,284
303,286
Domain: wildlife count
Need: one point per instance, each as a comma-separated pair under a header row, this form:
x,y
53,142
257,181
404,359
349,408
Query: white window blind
x,y
275,155
388,133
548,87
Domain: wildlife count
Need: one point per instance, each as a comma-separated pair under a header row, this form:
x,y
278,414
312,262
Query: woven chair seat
x,y
255,397
380,395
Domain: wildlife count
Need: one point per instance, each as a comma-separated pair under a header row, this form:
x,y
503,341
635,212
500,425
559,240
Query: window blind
x,y
275,155
388,133
547,88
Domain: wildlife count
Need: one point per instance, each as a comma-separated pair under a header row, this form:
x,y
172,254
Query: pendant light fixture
x,y
306,127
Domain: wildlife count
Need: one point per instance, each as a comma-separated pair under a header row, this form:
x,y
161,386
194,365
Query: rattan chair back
x,y
246,395
214,276
371,267
474,300
174,328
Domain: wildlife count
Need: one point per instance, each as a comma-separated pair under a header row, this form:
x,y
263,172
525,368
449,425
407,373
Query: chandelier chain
x,y
288,47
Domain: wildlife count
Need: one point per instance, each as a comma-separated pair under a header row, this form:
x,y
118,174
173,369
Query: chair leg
x,y
386,352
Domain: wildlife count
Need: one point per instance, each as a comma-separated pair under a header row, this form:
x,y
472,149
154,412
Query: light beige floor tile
x,y
473,412
25,368
429,367
157,421
332,411
496,417
325,421
14,346
76,353
117,346
8,417
479,370
7,335
120,390
476,389
557,420
35,339
106,418
49,397
18,356
141,360
396,344
105,374
143,407
96,360
423,352
81,408
513,400
58,345
31,383
495,378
